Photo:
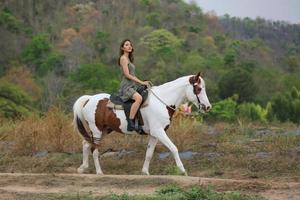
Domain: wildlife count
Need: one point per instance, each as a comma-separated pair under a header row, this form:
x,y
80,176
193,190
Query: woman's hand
x,y
147,83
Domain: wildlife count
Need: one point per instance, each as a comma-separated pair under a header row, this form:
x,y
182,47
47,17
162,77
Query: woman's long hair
x,y
131,58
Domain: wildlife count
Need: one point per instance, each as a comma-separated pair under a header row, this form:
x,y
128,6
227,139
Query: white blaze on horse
x,y
94,119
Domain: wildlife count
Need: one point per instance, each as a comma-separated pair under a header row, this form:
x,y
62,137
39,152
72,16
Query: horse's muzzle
x,y
204,108
207,108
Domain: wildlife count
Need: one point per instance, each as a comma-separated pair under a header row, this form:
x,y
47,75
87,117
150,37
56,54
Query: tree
x,y
230,57
153,19
22,77
96,77
286,107
14,102
161,42
9,21
293,63
39,54
193,63
101,41
238,81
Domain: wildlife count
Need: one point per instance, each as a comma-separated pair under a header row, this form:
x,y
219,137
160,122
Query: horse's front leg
x,y
161,135
150,149
86,148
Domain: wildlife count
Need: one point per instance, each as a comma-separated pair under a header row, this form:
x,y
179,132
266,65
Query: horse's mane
x,y
172,83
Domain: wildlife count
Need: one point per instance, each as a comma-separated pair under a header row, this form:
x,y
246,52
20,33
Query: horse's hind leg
x,y
96,161
161,135
86,148
150,149
97,136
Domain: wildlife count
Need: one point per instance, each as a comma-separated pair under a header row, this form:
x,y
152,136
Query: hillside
x,y
62,50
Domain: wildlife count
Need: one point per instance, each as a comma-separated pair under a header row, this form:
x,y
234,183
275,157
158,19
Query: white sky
x,y
283,10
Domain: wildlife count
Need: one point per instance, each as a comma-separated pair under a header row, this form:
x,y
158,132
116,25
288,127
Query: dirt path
x,y
22,186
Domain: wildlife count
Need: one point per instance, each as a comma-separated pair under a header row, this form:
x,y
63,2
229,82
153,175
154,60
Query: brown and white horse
x,y
94,119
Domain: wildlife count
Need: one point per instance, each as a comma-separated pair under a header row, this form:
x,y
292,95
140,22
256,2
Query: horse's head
x,y
196,93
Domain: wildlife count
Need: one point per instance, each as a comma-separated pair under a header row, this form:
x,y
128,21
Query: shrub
x,y
52,132
253,112
14,102
286,107
224,110
9,21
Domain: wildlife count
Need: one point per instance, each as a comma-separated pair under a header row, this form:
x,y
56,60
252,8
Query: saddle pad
x,y
114,106
120,107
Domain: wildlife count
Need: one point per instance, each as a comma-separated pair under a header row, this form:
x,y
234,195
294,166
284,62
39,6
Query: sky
x,y
282,10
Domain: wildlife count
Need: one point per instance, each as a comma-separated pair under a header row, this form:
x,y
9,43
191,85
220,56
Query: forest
x,y
52,53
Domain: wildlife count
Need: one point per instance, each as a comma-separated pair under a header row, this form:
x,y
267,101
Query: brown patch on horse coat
x,y
171,113
106,120
195,82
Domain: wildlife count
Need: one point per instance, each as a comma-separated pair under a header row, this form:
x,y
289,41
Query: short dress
x,y
128,87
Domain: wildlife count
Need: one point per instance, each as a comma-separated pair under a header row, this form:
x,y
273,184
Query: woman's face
x,y
127,47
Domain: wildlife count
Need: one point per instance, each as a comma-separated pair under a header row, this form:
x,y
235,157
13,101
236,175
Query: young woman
x,y
129,82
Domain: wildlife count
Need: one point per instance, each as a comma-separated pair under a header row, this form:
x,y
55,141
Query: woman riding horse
x,y
130,83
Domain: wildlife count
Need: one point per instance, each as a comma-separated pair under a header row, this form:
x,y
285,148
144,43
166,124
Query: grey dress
x,y
128,87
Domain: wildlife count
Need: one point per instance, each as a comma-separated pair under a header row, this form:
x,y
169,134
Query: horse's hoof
x,y
146,173
99,173
80,170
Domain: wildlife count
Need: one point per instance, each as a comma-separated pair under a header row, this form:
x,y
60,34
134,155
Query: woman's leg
x,y
135,106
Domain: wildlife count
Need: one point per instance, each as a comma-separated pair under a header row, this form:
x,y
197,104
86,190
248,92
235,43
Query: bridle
x,y
195,88
196,91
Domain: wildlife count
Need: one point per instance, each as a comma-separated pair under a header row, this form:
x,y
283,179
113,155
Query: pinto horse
x,y
94,119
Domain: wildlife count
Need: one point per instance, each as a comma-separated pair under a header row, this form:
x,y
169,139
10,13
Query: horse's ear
x,y
197,76
201,74
195,79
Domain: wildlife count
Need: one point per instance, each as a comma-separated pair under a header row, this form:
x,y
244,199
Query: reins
x,y
174,109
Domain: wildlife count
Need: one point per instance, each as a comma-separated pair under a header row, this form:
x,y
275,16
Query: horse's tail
x,y
78,117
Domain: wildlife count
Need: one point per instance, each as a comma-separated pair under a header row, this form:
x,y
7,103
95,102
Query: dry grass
x,y
184,132
225,150
52,132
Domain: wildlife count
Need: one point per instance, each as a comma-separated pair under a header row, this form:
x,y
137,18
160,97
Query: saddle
x,y
115,102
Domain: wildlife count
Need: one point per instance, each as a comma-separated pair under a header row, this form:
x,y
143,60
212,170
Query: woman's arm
x,y
124,65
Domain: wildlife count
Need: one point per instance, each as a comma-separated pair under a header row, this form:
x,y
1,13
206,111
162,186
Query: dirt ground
x,y
36,186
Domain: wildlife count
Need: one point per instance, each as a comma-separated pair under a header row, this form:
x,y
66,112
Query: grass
x,y
168,192
64,196
173,192
226,150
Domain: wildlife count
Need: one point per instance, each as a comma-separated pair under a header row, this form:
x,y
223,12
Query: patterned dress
x,y
128,87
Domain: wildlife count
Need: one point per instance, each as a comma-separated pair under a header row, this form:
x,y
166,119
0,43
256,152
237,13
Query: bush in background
x,y
286,107
14,102
252,112
224,110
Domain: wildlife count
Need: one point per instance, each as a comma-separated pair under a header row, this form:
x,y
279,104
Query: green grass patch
x,y
173,192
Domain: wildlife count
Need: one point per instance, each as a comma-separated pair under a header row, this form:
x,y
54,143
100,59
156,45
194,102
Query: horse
x,y
93,119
